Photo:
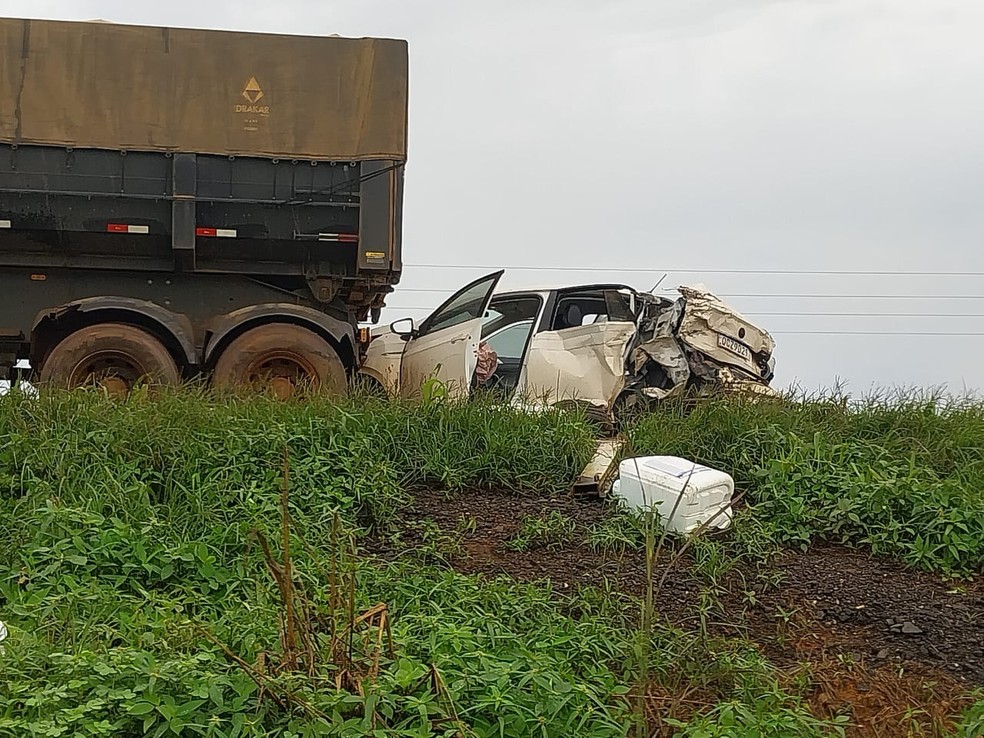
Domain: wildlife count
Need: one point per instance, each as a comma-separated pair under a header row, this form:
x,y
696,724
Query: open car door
x,y
445,346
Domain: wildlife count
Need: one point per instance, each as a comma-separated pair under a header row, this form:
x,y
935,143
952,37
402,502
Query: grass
x,y
136,564
617,534
180,565
548,532
192,463
904,479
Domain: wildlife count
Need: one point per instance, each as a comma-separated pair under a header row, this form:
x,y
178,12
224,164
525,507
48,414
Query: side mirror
x,y
403,328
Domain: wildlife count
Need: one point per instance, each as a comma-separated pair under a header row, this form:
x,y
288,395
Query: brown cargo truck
x,y
178,203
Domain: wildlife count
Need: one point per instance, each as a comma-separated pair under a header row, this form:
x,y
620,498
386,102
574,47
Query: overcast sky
x,y
669,135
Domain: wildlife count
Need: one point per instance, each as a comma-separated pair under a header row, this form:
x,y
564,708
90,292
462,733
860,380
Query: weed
x,y
617,534
550,532
137,528
712,562
786,616
972,723
762,719
437,546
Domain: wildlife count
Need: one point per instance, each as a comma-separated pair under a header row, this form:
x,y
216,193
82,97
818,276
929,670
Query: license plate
x,y
735,347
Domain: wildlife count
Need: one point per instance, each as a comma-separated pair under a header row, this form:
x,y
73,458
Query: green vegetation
x,y
132,552
180,565
973,721
905,479
549,532
618,533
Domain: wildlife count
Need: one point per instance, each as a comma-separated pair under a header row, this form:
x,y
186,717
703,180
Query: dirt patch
x,y
485,522
884,645
887,612
872,608
880,700
884,702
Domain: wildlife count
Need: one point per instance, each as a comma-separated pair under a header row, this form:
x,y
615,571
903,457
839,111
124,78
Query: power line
x,y
926,334
851,297
640,270
767,295
868,315
785,314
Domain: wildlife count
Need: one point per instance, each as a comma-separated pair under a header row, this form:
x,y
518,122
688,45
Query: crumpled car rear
x,y
697,342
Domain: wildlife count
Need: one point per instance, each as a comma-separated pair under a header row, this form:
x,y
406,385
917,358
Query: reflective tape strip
x,y
216,232
123,228
4,224
339,237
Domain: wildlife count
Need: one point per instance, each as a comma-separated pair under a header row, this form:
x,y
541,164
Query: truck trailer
x,y
182,203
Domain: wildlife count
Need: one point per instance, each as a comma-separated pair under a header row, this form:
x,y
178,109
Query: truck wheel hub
x,y
282,374
114,372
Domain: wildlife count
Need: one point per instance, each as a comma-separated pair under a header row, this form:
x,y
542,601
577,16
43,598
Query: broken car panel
x,y
697,341
585,363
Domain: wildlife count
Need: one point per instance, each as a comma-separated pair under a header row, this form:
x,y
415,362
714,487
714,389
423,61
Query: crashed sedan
x,y
608,347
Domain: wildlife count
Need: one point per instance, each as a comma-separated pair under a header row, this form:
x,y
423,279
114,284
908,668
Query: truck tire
x,y
115,356
280,358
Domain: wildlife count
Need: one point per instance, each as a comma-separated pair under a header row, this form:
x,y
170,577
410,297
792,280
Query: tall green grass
x,y
902,476
129,529
192,463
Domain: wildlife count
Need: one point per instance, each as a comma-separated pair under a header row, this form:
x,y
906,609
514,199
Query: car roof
x,y
562,288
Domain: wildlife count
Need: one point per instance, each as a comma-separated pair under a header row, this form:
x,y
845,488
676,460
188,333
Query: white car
x,y
605,345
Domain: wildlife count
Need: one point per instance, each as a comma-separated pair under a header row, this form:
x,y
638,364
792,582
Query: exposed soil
x,y
879,640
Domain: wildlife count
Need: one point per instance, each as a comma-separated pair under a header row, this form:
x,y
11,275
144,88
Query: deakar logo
x,y
252,93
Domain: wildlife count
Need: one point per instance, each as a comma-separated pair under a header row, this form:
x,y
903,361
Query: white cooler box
x,y
657,481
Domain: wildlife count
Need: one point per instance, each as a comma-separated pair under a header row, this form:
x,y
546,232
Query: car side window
x,y
510,342
586,308
576,310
